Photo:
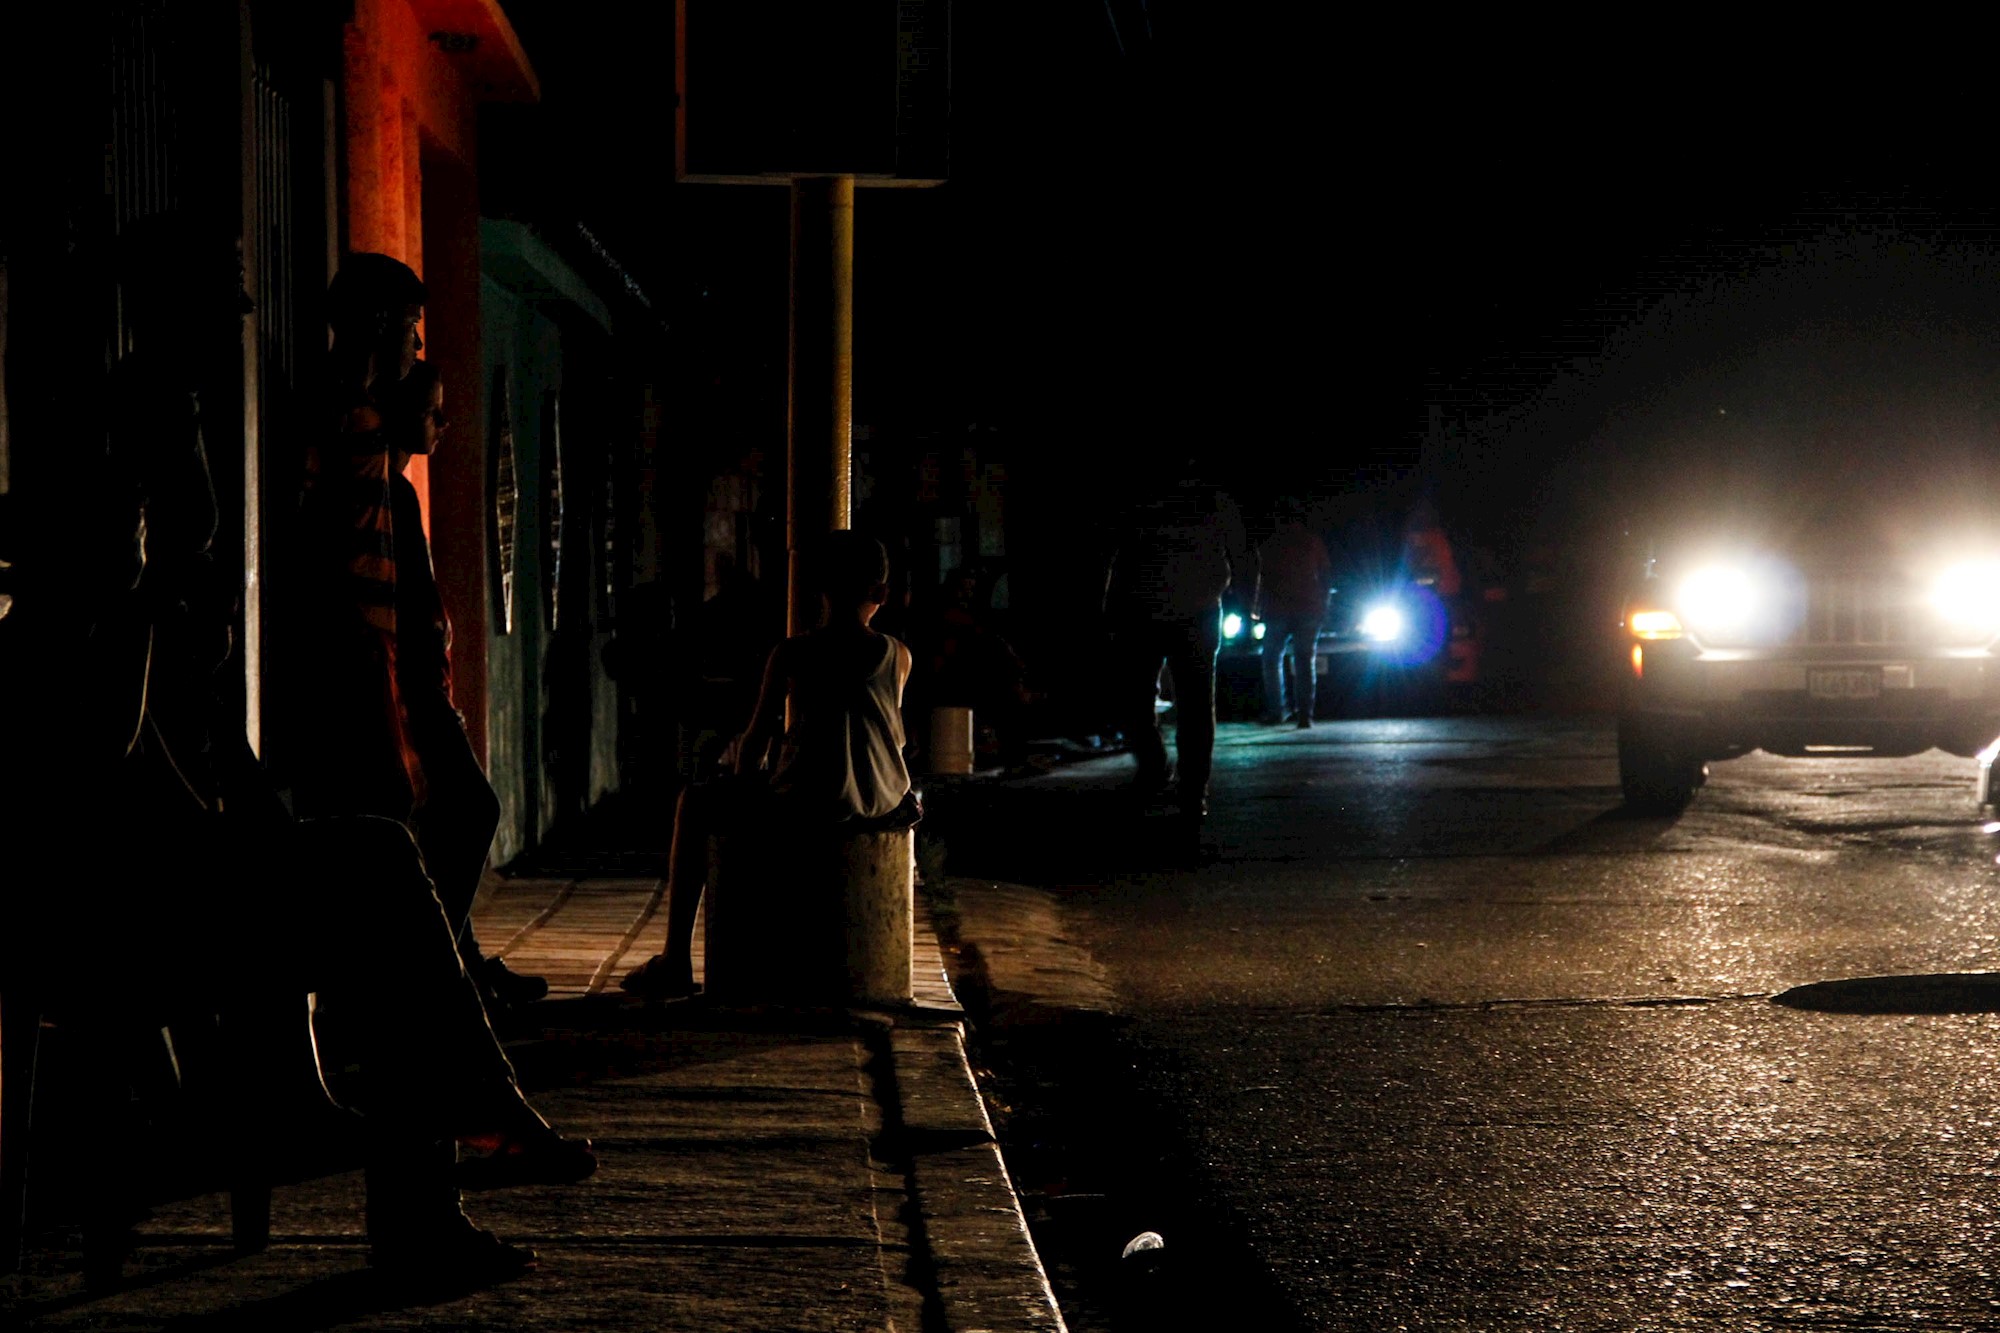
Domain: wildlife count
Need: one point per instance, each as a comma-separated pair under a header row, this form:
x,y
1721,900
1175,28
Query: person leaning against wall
x,y
374,728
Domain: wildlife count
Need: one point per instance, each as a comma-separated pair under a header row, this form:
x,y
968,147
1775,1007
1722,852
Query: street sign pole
x,y
837,96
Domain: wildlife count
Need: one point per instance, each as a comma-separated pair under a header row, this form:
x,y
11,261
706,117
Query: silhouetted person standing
x,y
1178,549
375,725
200,867
1297,577
723,661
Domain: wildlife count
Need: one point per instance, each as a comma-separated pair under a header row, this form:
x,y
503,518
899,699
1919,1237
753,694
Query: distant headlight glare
x,y
1232,625
1383,623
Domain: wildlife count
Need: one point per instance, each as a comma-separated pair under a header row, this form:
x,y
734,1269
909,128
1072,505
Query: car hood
x,y
1877,521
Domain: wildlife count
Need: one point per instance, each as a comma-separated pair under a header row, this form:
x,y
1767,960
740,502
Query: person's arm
x,y
903,664
768,718
1256,608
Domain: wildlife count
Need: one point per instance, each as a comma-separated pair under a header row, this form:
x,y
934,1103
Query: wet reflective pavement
x,y
1439,1038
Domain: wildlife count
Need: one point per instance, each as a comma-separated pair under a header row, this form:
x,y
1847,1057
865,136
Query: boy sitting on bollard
x,y
840,761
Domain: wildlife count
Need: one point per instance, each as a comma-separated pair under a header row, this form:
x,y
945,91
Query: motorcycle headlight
x,y
1967,598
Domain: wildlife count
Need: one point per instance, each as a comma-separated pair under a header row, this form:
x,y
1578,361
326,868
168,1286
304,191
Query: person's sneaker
x,y
1304,723
509,987
456,1256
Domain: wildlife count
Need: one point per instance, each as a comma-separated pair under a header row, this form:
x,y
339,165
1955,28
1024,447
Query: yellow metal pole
x,y
819,462
819,443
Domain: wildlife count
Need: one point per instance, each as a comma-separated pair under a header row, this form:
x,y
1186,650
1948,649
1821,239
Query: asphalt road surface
x,y
1437,1037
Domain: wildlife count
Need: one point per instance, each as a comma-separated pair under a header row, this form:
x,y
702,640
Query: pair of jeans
x,y
454,826
1186,648
1301,635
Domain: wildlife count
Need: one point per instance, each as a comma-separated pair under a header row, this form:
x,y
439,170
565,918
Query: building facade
x,y
269,137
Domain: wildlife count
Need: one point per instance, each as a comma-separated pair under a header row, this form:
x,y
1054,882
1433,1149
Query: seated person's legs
x,y
432,1072
701,808
384,956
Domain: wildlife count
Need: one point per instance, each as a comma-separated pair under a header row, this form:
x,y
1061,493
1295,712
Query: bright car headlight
x,y
1383,622
1721,599
1232,625
1257,630
1967,596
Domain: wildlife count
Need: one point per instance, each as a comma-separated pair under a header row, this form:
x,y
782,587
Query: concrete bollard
x,y
820,917
951,741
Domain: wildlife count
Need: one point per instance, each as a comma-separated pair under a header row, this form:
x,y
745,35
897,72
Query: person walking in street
x,y
1176,551
1297,576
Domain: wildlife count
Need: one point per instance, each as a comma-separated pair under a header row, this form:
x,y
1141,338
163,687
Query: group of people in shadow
x,y
342,863
313,902
201,880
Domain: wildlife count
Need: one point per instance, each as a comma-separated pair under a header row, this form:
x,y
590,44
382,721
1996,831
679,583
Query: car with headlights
x,y
1844,646
1387,642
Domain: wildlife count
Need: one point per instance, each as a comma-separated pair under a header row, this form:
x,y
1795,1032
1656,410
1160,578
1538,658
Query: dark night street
x,y
1443,1038
583,591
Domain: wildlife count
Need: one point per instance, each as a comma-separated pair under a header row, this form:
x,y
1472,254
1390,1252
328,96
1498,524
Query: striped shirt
x,y
360,755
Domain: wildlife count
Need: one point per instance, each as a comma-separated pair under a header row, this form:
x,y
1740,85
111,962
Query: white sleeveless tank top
x,y
842,757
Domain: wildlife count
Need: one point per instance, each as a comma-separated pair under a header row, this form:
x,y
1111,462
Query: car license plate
x,y
1845,683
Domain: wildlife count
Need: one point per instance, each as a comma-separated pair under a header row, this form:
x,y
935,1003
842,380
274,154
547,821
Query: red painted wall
x,y
411,106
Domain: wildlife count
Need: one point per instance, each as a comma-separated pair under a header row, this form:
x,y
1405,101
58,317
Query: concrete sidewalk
x,y
760,1170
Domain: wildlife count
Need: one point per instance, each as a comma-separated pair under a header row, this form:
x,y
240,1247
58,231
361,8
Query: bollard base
x,y
820,917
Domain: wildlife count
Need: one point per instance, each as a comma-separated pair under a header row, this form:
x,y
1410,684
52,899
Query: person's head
x,y
854,573
415,406
374,305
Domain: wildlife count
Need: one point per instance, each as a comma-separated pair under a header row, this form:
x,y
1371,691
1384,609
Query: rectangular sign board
x,y
768,92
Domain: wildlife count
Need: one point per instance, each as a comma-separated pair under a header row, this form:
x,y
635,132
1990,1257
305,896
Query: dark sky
x,y
1300,243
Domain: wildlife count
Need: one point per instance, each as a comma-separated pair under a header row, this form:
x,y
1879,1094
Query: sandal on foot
x,y
659,979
